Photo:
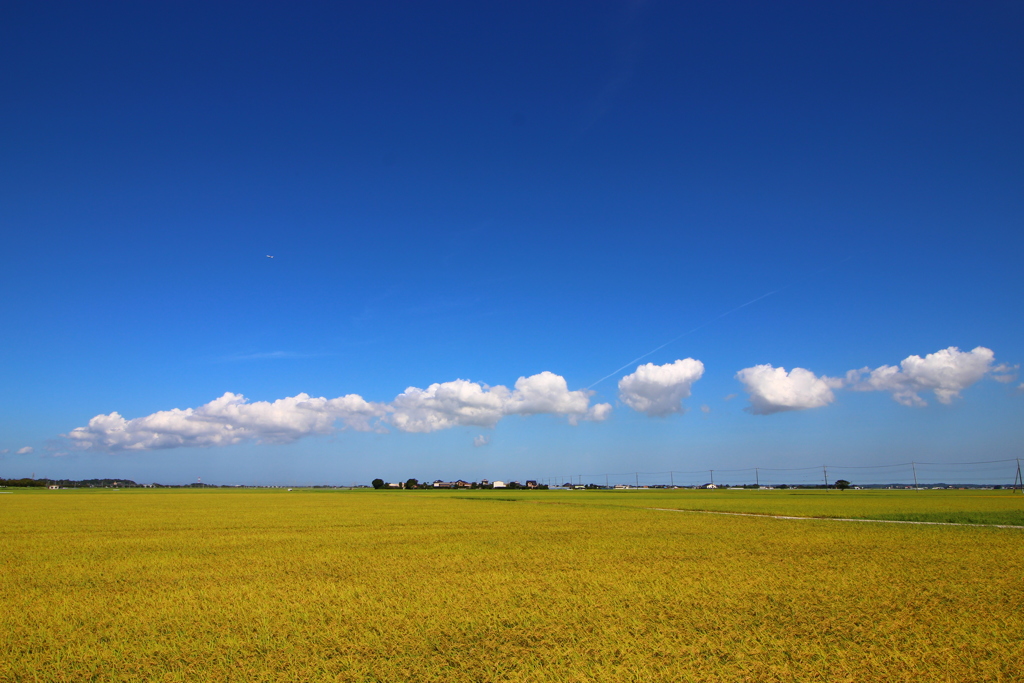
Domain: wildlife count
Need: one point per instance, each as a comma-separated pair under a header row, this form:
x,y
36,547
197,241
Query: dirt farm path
x,y
836,519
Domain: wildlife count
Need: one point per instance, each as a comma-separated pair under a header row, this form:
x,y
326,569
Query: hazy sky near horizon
x,y
508,240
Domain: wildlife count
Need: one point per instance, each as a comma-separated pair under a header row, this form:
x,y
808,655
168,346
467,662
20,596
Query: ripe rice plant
x,y
395,586
978,506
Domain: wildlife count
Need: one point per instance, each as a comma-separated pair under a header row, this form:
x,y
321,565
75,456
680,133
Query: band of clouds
x,y
655,390
944,373
659,390
233,419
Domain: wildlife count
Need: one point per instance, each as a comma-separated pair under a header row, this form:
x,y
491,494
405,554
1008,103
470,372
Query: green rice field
x,y
331,585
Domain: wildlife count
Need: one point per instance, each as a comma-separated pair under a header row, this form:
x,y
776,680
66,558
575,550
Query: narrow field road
x,y
836,519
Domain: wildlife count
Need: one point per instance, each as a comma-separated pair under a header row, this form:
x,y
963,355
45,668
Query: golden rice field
x,y
490,586
976,506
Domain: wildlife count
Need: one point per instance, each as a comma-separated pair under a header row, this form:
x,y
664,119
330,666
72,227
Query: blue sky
x,y
491,191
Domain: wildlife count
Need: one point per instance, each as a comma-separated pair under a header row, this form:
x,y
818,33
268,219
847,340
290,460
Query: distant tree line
x,y
411,483
24,482
416,484
378,483
71,483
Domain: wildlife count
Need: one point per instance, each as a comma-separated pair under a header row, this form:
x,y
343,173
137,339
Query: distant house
x,y
498,485
53,487
531,484
484,483
443,484
620,487
396,485
709,486
462,484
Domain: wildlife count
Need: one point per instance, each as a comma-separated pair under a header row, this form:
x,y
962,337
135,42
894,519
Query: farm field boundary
x,y
991,508
836,519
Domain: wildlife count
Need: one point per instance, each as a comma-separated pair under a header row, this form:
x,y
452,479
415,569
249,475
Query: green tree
x,y
412,483
378,483
842,484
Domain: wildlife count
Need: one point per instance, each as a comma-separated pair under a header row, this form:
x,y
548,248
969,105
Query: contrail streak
x,y
675,339
715,319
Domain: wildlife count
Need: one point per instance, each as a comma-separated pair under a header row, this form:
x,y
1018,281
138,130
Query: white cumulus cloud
x,y
24,451
227,420
462,402
773,390
448,404
945,373
659,390
233,419
481,440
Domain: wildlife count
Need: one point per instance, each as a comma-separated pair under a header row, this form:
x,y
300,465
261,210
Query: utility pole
x,y
672,479
757,478
1019,477
915,475
606,481
712,476
824,468
637,479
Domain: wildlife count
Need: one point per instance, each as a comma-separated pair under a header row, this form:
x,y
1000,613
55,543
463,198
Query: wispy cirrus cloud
x,y
268,355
